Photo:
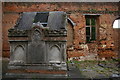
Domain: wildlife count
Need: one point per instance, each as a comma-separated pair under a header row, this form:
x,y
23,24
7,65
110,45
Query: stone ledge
x,y
38,71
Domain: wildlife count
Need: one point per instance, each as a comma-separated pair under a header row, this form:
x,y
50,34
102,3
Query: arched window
x,y
116,23
70,32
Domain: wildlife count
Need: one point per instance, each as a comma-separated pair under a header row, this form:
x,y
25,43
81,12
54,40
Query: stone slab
x,y
57,20
26,20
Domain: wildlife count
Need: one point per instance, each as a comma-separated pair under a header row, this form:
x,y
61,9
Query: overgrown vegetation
x,y
98,69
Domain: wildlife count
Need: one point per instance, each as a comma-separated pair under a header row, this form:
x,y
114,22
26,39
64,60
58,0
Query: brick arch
x,y
70,32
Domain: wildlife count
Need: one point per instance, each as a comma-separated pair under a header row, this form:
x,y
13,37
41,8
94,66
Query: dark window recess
x,y
44,24
93,33
87,21
90,29
41,17
87,34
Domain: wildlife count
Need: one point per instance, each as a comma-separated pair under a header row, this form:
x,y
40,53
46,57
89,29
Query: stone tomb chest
x,y
38,44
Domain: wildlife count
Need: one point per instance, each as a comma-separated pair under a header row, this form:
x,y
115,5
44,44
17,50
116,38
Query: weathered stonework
x,y
107,37
38,49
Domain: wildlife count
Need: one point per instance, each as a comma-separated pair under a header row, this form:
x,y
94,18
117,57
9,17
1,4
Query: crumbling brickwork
x,y
1,29
105,45
9,20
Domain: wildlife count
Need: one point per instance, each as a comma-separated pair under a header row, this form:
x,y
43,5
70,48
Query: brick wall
x,y
70,35
104,47
0,29
9,20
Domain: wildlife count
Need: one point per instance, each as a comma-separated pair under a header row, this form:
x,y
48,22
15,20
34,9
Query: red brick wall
x,y
0,29
103,47
70,34
8,20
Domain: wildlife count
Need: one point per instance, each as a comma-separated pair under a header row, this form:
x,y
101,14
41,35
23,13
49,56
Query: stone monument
x,y
38,45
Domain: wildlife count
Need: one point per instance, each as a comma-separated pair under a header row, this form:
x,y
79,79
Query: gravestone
x,y
37,49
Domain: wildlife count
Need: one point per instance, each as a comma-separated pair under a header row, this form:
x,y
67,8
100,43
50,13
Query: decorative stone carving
x,y
54,54
36,36
18,55
36,49
16,32
44,47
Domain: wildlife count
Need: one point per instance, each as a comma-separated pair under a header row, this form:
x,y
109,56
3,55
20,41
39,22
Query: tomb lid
x,y
26,20
57,20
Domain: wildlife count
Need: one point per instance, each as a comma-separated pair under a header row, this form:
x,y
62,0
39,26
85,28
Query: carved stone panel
x,y
36,50
36,36
54,54
18,54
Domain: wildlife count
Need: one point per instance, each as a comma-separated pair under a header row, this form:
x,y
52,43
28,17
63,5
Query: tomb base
x,y
36,70
36,74
38,51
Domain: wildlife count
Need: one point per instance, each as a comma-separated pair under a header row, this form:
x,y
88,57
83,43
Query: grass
x,y
91,69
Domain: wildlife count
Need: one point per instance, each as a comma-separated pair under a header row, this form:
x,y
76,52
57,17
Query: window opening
x,y
90,28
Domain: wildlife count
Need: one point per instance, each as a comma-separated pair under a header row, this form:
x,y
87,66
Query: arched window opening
x,y
70,32
116,23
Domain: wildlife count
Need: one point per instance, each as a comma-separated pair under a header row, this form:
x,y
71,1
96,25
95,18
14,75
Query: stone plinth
x,y
38,49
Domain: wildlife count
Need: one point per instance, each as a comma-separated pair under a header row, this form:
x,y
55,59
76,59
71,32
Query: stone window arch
x,y
70,32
